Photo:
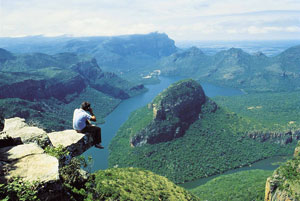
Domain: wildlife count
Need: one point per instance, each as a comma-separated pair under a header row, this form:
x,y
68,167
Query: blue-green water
x,y
115,119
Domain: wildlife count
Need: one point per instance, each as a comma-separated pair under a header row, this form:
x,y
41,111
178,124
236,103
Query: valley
x,y
239,108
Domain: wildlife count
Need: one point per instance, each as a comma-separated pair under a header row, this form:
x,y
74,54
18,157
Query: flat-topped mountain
x,y
121,54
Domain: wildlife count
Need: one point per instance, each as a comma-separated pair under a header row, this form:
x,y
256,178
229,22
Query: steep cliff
x,y
284,184
174,110
36,160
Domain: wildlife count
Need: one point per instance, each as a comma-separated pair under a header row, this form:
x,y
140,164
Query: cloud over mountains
x,y
182,20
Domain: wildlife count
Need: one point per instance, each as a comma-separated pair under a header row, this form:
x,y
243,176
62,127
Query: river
x,y
115,119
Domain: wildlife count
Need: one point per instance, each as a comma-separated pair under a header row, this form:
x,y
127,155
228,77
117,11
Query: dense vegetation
x,y
276,111
52,114
190,157
241,186
286,179
134,184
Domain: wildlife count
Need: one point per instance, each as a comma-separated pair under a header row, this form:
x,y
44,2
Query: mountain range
x,y
238,69
135,57
58,80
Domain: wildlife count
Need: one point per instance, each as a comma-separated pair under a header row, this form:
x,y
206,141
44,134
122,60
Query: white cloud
x,y
181,19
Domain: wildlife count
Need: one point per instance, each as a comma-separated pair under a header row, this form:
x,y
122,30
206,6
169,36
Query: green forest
x,y
245,185
215,143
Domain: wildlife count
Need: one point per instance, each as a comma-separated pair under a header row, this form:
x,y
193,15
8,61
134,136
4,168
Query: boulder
x,y
29,162
76,143
16,128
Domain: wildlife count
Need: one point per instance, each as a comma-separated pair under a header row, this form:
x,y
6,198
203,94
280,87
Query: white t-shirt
x,y
79,119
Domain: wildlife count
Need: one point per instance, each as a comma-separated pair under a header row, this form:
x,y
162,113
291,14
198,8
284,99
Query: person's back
x,y
81,123
79,119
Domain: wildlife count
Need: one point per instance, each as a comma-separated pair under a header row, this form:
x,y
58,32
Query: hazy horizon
x,y
181,20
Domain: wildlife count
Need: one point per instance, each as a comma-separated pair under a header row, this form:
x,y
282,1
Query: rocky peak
x,y
88,69
182,100
174,110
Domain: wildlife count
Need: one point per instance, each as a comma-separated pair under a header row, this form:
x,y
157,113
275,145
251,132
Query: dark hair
x,y
85,106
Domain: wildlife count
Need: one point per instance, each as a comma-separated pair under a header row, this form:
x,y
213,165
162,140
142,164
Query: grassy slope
x,y
211,145
246,186
135,184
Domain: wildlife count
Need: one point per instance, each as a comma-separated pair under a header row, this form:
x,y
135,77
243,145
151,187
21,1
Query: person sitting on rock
x,y
81,123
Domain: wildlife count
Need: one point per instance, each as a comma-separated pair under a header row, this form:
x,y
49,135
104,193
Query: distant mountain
x,y
60,79
184,135
238,69
126,55
136,57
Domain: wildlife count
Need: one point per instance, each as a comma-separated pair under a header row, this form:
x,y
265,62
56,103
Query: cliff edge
x,y
23,153
174,110
284,184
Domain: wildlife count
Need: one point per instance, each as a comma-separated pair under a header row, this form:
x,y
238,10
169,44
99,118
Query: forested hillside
x,y
218,141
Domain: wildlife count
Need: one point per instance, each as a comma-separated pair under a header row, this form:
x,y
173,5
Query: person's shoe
x,y
99,146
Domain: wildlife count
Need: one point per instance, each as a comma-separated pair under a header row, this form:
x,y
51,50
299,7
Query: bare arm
x,y
93,118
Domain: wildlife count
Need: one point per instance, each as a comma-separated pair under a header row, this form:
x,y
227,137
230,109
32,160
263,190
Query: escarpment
x,y
174,110
284,184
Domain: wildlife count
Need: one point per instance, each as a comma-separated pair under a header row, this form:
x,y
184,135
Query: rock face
x,y
284,184
76,143
41,86
17,129
174,110
278,138
29,161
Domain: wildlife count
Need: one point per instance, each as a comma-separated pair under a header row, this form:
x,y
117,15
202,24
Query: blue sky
x,y
180,19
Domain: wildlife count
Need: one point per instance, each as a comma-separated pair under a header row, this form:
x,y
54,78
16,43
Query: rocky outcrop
x,y
30,162
282,138
23,156
174,110
18,130
102,81
284,184
75,143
